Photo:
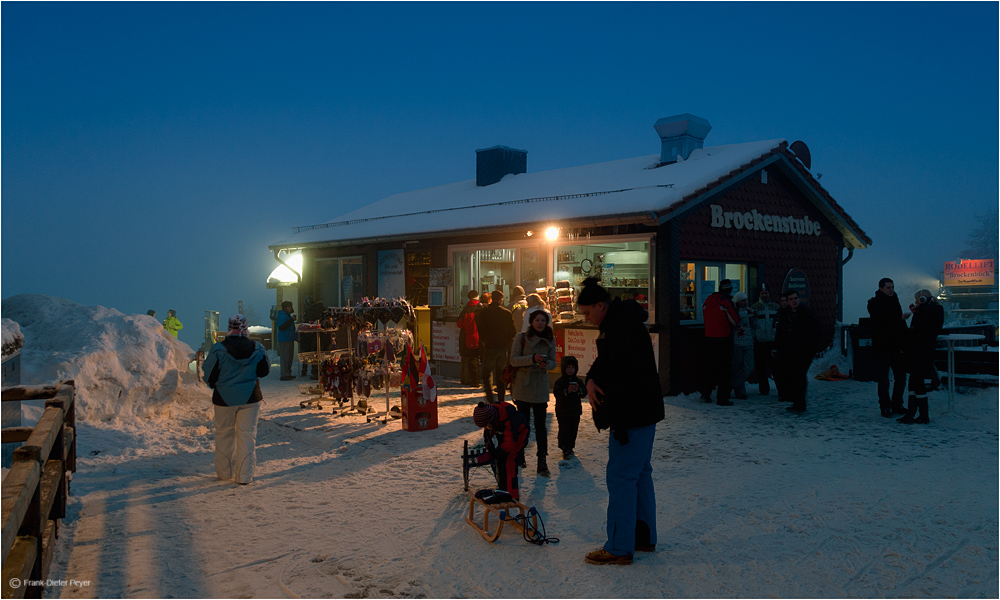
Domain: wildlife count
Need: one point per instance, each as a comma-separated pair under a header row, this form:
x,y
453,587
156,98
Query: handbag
x,y
509,370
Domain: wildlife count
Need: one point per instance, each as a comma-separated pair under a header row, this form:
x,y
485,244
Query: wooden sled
x,y
504,512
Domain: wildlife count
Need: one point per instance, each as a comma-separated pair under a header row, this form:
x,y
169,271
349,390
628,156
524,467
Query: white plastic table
x,y
951,338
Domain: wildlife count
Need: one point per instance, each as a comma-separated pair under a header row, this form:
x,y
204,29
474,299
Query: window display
x,y
341,280
698,280
623,268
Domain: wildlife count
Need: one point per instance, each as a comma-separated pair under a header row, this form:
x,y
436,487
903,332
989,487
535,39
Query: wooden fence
x,y
36,488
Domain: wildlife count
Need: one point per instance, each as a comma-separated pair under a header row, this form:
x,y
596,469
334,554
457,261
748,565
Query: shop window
x,y
623,268
418,277
484,271
340,281
698,280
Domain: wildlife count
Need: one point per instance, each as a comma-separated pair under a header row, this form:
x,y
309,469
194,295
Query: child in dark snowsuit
x,y
569,391
506,434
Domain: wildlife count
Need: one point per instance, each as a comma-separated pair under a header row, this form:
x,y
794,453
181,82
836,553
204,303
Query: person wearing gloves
x,y
172,324
928,318
742,346
625,395
534,353
232,370
505,434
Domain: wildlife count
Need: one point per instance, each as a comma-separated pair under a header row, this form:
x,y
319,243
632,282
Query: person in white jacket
x,y
232,370
763,340
535,302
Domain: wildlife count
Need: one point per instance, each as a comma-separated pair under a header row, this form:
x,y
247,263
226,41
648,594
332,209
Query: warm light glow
x,y
552,233
281,274
530,233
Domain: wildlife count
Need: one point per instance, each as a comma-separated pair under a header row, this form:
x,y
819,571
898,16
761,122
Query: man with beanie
x,y
517,307
928,318
888,336
625,395
496,333
720,317
505,434
766,313
232,370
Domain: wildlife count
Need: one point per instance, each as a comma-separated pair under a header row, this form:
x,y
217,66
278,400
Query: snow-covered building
x,y
663,229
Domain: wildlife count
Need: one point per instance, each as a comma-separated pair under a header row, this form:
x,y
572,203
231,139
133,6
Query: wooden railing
x,y
36,488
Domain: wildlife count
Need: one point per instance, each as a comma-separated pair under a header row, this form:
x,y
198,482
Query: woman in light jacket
x,y
534,353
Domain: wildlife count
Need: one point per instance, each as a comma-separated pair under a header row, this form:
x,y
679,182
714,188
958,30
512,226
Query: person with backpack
x,y
233,368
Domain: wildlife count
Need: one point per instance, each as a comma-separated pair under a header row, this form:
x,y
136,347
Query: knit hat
x,y
725,286
739,297
484,414
517,292
238,326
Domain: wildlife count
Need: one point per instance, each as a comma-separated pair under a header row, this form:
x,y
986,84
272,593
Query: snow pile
x,y
124,365
12,337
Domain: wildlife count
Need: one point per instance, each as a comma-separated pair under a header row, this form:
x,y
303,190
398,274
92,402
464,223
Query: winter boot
x,y
543,469
910,411
924,417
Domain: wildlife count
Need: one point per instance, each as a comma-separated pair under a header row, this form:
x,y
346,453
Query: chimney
x,y
679,135
493,163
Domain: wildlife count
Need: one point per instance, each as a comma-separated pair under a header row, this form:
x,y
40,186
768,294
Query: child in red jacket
x,y
506,434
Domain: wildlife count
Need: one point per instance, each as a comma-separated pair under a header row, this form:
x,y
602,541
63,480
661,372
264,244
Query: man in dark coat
x,y
796,341
888,335
625,395
928,318
496,333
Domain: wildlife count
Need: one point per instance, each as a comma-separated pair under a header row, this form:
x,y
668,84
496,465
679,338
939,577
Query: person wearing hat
x,y
742,346
928,318
505,434
233,368
285,322
796,342
626,397
496,332
717,354
517,307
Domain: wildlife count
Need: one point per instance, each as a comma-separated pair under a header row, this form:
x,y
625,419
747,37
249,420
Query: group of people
x,y
171,324
624,393
762,341
904,350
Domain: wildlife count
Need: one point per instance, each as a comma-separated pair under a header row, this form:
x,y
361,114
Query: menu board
x,y
444,341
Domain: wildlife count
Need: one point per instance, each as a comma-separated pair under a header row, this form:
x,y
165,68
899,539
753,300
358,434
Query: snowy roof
x,y
629,190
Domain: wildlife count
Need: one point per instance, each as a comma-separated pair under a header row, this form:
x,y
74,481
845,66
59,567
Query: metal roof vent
x,y
493,163
679,135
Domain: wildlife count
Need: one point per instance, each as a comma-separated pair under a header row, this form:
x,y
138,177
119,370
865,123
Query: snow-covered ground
x,y
753,501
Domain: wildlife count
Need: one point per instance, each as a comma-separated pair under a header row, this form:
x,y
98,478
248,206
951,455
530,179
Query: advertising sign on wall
x,y
390,274
580,344
969,272
796,280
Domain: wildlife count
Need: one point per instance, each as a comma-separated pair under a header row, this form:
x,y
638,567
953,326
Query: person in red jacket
x,y
717,358
505,434
468,341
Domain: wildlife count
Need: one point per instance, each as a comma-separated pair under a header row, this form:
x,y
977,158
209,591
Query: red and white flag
x,y
430,390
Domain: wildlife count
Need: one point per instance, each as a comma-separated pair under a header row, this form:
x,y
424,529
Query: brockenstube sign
x,y
756,221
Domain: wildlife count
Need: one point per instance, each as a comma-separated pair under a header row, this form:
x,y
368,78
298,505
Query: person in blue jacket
x,y
285,322
232,370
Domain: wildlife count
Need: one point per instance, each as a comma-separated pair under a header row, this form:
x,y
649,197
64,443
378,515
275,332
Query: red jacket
x,y
467,323
510,434
716,323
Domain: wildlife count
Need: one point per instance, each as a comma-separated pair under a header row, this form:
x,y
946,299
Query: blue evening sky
x,y
152,151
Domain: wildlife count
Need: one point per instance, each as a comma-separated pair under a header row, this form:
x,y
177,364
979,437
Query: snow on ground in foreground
x,y
752,501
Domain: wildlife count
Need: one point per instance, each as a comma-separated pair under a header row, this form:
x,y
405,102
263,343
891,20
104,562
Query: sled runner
x,y
510,511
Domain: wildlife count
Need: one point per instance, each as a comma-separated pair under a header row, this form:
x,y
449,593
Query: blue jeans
x,y
630,490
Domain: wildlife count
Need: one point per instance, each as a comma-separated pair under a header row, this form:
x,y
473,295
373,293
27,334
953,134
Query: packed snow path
x,y
753,501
